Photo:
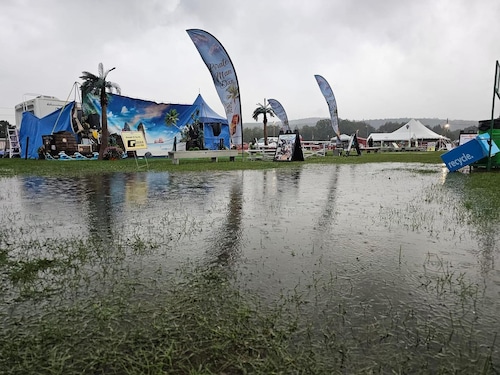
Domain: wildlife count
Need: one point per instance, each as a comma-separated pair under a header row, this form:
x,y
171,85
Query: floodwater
x,y
389,239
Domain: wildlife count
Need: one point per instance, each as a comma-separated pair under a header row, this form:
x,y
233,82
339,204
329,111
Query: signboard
x,y
466,137
353,141
133,141
288,148
285,147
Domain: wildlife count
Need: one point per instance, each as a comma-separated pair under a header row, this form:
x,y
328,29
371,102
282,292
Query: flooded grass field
x,y
319,269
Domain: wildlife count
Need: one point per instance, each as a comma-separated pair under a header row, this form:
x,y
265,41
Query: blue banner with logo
x,y
470,152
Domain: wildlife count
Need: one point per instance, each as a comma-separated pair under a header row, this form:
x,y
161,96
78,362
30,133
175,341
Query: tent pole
x,y
241,120
62,109
495,92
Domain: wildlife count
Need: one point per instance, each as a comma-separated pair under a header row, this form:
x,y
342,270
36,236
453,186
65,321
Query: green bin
x,y
484,127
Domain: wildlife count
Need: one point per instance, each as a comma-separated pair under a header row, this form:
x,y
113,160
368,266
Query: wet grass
x,y
16,166
478,193
85,307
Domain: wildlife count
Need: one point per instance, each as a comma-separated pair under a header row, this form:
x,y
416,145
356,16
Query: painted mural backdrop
x,y
161,123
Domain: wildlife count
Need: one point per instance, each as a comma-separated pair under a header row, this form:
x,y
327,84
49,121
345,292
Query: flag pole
x,y
495,93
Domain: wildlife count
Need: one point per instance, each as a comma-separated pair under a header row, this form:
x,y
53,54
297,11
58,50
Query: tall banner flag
x,y
224,76
327,92
279,111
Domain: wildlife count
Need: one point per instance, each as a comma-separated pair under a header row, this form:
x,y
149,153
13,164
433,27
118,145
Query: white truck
x,y
40,106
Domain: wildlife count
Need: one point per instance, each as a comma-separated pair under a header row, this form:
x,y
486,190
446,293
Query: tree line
x,y
323,130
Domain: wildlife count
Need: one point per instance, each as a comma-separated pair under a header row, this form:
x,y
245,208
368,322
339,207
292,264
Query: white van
x,y
271,141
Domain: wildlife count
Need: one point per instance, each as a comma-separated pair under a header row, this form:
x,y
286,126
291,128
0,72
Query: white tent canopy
x,y
413,130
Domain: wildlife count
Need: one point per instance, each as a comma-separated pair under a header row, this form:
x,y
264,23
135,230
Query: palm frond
x,y
96,84
88,75
107,72
89,80
262,110
111,86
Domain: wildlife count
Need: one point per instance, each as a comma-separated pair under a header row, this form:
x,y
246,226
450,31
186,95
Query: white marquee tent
x,y
413,131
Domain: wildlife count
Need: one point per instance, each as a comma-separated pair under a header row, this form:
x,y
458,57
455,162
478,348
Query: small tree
x,y
4,125
99,86
193,134
263,110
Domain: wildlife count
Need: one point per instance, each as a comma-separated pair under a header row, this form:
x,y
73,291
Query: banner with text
x,y
224,76
327,92
280,113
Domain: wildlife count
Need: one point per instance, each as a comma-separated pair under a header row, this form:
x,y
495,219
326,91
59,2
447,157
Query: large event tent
x,y
412,132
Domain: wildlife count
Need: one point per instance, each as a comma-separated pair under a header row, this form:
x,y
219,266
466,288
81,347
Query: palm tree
x,y
263,110
172,117
98,85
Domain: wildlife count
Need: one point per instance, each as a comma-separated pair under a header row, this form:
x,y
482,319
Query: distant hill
x,y
311,121
376,123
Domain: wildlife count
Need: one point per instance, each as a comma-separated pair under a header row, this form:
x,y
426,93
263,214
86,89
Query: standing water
x,y
387,259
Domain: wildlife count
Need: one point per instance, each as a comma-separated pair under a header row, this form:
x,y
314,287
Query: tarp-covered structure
x,y
126,113
33,128
131,114
412,132
215,127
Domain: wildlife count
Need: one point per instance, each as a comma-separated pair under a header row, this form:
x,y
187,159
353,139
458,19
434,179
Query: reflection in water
x,y
226,239
295,180
327,216
136,188
101,209
277,212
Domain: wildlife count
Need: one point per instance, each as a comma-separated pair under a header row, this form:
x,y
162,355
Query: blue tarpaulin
x,y
33,128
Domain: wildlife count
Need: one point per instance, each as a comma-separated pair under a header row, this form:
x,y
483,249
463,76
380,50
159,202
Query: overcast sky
x,y
382,58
